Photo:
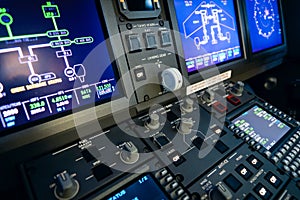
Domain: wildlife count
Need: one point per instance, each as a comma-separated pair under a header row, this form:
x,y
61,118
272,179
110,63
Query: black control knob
x,y
238,88
129,154
66,187
185,126
153,122
208,96
187,105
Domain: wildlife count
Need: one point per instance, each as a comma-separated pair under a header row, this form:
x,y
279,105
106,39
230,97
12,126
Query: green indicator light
x,y
2,10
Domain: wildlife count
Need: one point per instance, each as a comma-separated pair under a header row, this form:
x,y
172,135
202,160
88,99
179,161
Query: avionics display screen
x,y
261,126
209,32
140,5
264,24
143,189
44,65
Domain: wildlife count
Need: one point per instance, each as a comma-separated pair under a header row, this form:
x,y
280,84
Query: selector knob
x,y
66,187
130,154
153,122
238,88
172,79
208,96
185,126
187,105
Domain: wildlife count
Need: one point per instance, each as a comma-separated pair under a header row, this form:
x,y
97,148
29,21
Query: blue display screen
x,y
264,24
143,189
52,59
263,127
209,32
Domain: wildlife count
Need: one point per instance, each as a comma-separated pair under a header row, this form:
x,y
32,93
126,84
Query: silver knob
x,y
129,155
185,126
238,88
153,122
187,105
208,96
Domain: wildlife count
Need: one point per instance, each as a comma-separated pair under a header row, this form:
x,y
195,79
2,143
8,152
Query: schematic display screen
x,y
143,189
264,22
209,32
52,59
261,126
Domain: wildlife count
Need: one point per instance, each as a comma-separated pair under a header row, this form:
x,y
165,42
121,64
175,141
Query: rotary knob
x,y
185,126
129,155
153,122
66,187
237,89
208,96
172,79
187,105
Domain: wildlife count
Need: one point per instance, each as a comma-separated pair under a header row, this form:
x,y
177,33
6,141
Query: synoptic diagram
x,y
210,19
56,35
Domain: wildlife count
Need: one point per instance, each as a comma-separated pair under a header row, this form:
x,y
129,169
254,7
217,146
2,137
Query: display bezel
x,y
212,70
281,139
134,181
140,14
40,129
276,49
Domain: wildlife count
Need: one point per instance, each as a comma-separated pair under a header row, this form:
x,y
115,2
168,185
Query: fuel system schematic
x,y
44,46
209,32
208,20
56,35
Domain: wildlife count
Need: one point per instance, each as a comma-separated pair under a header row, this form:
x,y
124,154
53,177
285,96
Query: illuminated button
x,y
262,191
150,40
233,100
247,138
244,172
296,164
233,183
252,142
252,160
273,179
257,147
231,126
134,42
123,5
172,186
219,107
165,38
185,197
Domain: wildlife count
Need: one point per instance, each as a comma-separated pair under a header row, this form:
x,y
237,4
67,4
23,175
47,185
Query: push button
x,y
244,172
150,40
252,160
140,74
219,107
273,180
262,191
134,43
101,171
233,183
233,100
221,147
165,38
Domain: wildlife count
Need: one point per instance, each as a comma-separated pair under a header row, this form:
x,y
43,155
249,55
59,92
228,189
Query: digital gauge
x,y
264,17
